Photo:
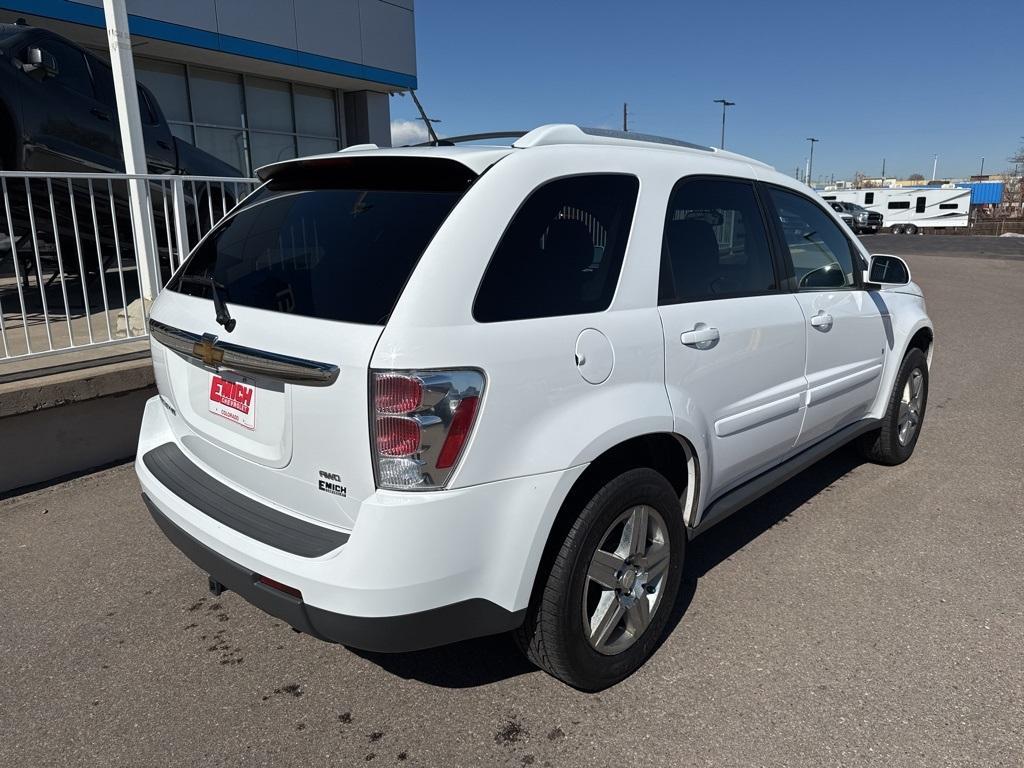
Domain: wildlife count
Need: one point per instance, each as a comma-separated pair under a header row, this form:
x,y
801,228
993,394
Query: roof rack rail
x,y
567,133
451,141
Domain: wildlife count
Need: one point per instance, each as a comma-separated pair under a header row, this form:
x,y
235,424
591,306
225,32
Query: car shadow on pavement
x,y
491,659
734,533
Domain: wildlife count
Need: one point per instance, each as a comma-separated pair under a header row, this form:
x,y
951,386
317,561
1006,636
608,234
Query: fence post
x,y
180,218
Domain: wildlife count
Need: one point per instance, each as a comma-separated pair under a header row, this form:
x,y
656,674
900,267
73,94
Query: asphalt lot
x,y
859,615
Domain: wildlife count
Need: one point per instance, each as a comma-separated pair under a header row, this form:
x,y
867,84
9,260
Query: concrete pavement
x,y
859,615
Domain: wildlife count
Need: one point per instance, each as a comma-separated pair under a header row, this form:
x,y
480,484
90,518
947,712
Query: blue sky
x,y
899,80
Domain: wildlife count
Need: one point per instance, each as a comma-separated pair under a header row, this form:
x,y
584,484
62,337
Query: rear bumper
x,y
417,569
388,634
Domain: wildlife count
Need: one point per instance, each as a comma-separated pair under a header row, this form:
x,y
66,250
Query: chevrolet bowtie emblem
x,y
207,351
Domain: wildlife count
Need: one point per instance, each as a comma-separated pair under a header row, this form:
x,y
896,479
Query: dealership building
x,y
254,81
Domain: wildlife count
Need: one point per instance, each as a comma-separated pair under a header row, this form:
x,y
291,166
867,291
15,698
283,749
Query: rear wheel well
x,y
668,454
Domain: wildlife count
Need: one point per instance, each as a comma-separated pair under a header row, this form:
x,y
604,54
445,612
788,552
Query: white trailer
x,y
906,210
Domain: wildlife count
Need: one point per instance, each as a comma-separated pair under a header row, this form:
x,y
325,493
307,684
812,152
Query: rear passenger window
x,y
869,198
715,244
562,252
821,255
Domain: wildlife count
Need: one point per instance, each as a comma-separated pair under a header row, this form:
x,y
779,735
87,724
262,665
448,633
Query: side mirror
x,y
40,60
887,270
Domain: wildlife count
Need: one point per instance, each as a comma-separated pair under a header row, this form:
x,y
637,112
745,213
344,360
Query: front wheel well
x,y
922,340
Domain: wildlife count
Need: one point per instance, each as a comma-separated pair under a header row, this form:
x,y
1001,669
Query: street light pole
x,y
810,160
935,167
725,103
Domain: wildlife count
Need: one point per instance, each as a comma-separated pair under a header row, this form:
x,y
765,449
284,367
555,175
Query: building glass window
x,y
167,82
216,97
271,147
314,146
315,111
246,121
270,104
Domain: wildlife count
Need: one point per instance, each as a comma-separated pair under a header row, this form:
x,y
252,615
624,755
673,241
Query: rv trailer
x,y
910,209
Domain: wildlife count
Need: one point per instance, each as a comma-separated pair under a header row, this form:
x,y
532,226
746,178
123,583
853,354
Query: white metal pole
x,y
935,168
132,144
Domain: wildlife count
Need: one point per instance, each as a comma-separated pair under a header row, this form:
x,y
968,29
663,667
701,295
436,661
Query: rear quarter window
x,y
562,252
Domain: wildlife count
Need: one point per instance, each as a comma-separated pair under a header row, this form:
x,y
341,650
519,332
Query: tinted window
x,y
819,251
869,198
72,71
898,205
715,243
948,206
562,252
330,253
920,204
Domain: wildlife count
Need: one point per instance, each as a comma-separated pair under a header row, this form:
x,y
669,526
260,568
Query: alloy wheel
x,y
623,587
910,407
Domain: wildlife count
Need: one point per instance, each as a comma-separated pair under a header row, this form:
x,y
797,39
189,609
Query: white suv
x,y
410,396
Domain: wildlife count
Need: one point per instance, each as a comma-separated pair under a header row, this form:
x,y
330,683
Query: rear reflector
x,y
462,421
280,587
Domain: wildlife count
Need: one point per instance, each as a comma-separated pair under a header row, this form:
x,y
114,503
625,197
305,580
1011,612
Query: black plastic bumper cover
x,y
386,634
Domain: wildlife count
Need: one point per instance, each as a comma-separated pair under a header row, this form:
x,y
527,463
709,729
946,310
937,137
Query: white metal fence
x,y
72,272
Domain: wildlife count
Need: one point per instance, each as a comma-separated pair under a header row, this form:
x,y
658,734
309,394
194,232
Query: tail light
x,y
421,421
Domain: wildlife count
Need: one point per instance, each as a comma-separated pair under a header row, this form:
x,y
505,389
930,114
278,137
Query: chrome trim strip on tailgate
x,y
212,353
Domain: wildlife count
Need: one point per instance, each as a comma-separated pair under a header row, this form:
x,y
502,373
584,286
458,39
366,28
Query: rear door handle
x,y
822,320
701,337
102,115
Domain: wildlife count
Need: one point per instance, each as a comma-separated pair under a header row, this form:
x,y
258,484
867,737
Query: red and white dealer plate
x,y
233,400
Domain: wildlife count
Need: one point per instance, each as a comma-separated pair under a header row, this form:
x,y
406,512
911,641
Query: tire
x,y
890,444
910,229
554,635
897,229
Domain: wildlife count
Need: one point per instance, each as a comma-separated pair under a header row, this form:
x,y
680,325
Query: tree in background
x,y
916,177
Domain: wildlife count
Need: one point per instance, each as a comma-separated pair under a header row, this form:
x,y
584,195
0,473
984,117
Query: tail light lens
x,y
421,423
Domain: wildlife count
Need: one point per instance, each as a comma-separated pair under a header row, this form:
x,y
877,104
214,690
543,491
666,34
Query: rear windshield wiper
x,y
223,316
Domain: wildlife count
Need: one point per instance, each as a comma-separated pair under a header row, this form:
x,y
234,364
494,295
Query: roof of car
x,y
479,157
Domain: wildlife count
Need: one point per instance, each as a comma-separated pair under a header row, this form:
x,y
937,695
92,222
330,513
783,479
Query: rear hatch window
x,y
335,240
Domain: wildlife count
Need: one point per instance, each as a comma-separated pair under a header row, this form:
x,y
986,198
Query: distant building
x,y
254,81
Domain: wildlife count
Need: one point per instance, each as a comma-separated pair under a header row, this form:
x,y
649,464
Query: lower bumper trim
x,y
386,634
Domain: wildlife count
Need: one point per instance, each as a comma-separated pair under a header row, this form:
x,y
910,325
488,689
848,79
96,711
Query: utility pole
x,y
133,146
810,160
883,171
725,103
935,168
982,171
625,116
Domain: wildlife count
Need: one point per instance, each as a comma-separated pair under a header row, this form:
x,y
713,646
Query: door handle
x,y
822,321
701,337
100,113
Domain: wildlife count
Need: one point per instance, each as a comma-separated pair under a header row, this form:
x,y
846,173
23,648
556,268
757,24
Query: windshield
x,y
332,253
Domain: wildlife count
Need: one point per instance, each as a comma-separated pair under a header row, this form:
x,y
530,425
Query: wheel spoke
x,y
656,562
637,527
904,414
606,617
604,568
639,615
916,380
